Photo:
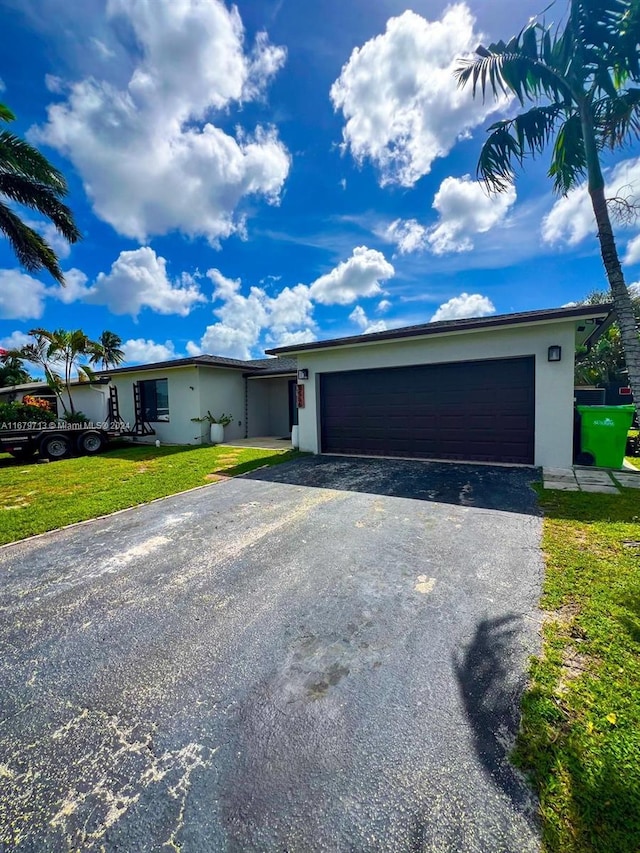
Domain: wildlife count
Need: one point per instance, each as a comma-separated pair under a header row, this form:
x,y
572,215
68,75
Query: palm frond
x,y
511,140
569,160
6,114
43,199
617,120
32,250
20,158
524,66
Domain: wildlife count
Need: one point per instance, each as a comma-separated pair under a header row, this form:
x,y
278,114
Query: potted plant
x,y
216,426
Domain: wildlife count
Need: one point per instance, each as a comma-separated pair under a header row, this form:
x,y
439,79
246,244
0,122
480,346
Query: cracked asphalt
x,y
327,655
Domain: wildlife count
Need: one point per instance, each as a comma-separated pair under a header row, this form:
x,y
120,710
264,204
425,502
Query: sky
x,y
278,172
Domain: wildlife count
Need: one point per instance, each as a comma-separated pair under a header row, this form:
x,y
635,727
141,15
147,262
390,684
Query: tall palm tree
x,y
108,352
59,353
579,80
27,178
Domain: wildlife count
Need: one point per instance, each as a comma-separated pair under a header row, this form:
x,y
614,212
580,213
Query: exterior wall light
x,y
303,373
554,353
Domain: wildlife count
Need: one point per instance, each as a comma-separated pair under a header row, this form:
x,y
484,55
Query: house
x,y
491,389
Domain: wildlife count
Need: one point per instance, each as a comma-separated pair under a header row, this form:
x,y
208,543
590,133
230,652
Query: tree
x,y
12,370
59,353
603,364
27,178
108,353
583,74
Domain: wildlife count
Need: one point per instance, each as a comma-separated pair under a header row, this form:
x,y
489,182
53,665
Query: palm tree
x,y
108,352
12,370
27,178
582,76
59,353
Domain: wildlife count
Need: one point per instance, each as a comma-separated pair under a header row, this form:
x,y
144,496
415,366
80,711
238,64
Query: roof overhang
x,y
590,320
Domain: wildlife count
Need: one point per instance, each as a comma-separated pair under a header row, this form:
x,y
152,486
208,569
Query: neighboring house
x,y
493,389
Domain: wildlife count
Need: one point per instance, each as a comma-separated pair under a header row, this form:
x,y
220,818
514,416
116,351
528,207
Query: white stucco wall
x,y
222,391
269,406
91,400
554,381
184,404
258,407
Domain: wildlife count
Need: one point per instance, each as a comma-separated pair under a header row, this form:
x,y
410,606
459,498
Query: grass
x,y
580,734
36,498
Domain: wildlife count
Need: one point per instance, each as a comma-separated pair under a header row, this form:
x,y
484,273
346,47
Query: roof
x,y
452,326
257,366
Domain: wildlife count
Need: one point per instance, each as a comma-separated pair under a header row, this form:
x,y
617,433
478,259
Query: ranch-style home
x,y
491,389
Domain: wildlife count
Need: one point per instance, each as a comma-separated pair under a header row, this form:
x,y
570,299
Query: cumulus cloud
x,y
286,318
151,158
138,279
465,209
16,340
571,218
22,297
399,97
142,351
465,305
632,255
407,234
359,276
359,317
383,306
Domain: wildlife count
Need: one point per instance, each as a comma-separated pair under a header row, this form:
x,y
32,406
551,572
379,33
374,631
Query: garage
x,y
479,410
495,389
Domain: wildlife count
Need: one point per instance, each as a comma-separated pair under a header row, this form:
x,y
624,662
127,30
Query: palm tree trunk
x,y
619,291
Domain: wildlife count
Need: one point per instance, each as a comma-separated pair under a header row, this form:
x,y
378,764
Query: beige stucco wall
x,y
222,391
269,406
183,404
554,381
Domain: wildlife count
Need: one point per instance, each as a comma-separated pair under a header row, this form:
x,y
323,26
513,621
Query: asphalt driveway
x,y
324,656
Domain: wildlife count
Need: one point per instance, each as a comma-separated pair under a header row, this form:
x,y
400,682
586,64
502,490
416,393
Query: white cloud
x,y
400,99
359,317
290,339
383,305
141,351
16,340
287,317
632,255
465,305
74,290
408,235
359,276
21,296
138,279
150,157
571,218
466,209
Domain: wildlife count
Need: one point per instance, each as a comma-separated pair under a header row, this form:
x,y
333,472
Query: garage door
x,y
476,410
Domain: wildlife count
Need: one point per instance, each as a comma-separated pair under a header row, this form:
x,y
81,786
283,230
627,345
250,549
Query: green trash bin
x,y
603,433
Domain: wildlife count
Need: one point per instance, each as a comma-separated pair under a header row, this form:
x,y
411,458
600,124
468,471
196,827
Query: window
x,y
154,395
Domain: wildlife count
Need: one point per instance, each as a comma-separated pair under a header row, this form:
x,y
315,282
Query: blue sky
x,y
277,172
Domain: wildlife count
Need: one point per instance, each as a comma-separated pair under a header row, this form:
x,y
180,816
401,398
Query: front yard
x,y
580,736
35,498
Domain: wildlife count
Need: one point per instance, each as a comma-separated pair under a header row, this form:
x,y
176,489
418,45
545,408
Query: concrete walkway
x,y
264,442
600,480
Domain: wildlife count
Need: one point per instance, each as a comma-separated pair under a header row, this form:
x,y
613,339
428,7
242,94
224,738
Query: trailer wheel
x,y
90,443
55,446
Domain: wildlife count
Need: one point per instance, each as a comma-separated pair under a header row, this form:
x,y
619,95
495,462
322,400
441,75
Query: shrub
x,y
25,413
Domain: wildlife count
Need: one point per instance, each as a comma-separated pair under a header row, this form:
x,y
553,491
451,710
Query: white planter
x,y
216,433
295,442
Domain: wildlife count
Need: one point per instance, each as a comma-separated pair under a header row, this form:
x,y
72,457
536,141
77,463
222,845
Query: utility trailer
x,y
58,440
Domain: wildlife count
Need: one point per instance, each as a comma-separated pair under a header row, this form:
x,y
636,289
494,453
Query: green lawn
x,y
39,497
580,736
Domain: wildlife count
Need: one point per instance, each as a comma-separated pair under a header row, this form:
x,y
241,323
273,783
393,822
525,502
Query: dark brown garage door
x,y
476,410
